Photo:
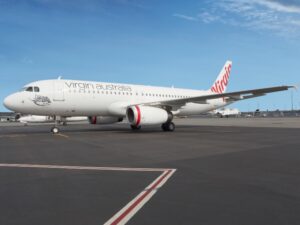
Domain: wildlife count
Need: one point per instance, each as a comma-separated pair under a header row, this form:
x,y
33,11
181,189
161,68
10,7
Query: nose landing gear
x,y
54,130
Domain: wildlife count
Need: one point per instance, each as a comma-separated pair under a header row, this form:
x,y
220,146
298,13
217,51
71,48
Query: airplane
x,y
112,102
28,119
226,112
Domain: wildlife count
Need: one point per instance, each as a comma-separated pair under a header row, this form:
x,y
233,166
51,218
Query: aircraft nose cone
x,y
8,102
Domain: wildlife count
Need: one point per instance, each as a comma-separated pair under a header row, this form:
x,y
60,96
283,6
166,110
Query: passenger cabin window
x,y
36,89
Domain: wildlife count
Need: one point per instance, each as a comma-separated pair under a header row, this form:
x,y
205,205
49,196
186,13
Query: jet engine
x,y
147,115
104,119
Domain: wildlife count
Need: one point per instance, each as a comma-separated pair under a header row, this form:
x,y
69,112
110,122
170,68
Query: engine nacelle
x,y
104,119
147,115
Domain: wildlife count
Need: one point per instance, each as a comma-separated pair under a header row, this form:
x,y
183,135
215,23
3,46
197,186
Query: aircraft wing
x,y
228,97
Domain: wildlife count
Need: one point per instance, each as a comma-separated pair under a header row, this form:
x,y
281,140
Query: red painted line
x,y
124,214
138,121
134,205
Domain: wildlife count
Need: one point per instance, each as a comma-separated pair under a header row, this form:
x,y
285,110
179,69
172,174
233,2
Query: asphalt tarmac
x,y
210,175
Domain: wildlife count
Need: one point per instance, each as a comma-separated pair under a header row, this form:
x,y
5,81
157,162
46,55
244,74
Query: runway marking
x,y
62,135
12,135
42,166
129,210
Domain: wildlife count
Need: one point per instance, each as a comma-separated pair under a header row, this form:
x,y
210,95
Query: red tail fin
x,y
221,82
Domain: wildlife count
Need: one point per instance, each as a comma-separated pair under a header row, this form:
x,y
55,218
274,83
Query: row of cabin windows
x,y
37,89
129,93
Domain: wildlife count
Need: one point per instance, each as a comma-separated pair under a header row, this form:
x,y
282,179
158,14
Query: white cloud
x,y
295,22
263,15
278,6
207,17
185,17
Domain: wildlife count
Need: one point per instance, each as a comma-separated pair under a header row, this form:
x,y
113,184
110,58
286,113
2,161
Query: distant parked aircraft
x,y
48,119
227,112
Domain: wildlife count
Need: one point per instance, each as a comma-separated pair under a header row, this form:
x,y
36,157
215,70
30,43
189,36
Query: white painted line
x,y
12,135
81,167
128,211
62,135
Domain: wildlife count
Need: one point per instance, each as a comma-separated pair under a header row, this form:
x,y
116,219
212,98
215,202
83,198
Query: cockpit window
x,y
30,89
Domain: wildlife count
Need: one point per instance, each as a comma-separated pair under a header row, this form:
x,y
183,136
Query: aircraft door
x,y
58,91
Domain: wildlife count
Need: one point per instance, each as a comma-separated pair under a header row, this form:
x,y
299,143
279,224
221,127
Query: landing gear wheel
x,y
55,130
134,127
171,126
168,126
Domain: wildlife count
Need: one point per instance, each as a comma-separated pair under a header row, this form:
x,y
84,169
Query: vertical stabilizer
x,y
220,85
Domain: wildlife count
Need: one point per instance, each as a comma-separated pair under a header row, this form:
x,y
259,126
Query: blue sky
x,y
165,43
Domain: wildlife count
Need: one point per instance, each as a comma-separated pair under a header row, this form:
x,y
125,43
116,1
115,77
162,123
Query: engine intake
x,y
147,115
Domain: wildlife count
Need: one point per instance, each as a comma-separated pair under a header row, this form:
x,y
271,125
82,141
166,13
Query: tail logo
x,y
220,85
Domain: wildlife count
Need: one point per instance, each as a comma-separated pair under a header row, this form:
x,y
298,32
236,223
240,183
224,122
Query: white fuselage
x,y
86,98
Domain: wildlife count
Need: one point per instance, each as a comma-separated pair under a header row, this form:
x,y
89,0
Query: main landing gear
x,y
134,127
169,126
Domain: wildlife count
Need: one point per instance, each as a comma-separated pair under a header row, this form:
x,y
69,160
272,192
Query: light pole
x,y
292,100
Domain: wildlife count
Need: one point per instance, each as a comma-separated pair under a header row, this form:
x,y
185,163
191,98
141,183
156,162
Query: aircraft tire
x,y
168,126
54,130
133,127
